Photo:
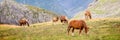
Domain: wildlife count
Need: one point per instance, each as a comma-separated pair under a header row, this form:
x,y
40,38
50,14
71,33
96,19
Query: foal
x,y
77,24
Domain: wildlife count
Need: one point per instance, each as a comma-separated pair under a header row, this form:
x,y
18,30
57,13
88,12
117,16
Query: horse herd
x,y
73,24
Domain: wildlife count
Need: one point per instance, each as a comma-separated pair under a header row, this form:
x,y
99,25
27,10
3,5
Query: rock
x,y
11,12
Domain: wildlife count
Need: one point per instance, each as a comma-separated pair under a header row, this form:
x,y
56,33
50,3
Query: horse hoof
x,y
72,34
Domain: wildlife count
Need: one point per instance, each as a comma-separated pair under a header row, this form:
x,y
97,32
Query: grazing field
x,y
100,29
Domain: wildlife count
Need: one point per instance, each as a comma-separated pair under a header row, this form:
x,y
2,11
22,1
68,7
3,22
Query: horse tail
x,y
85,27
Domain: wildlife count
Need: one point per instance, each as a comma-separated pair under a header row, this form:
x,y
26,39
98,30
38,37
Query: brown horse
x,y
55,19
23,21
63,19
87,15
77,24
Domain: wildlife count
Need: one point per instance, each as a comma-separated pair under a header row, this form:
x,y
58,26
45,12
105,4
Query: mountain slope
x,y
103,8
63,7
11,12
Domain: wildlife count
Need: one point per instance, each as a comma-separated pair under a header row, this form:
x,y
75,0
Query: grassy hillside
x,y
100,29
102,9
106,6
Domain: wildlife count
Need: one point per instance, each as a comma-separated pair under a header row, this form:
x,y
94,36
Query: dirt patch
x,y
7,25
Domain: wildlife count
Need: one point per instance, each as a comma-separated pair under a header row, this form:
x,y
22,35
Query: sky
x,y
65,7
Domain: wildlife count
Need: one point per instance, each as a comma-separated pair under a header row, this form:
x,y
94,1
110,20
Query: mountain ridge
x,y
11,12
62,7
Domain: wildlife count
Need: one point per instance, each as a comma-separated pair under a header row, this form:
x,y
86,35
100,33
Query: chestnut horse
x,y
77,24
63,19
23,21
87,15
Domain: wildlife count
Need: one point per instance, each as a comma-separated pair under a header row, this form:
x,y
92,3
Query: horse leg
x,y
66,21
61,21
80,30
69,27
86,17
24,24
85,27
86,30
90,17
73,32
20,24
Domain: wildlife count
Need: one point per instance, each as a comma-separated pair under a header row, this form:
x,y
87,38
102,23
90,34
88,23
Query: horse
x,y
77,24
23,21
55,19
87,15
63,19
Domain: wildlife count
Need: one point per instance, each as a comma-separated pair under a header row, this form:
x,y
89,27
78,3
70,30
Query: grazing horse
x,y
23,21
63,19
87,15
55,19
77,24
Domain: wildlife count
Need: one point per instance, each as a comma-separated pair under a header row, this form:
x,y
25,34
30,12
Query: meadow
x,y
99,29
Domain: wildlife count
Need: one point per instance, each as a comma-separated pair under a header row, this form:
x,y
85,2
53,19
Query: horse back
x,y
23,21
76,23
63,17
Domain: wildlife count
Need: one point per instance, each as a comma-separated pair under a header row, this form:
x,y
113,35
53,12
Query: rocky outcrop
x,y
11,12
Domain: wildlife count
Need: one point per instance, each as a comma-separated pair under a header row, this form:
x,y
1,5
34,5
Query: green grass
x,y
100,29
106,1
98,11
